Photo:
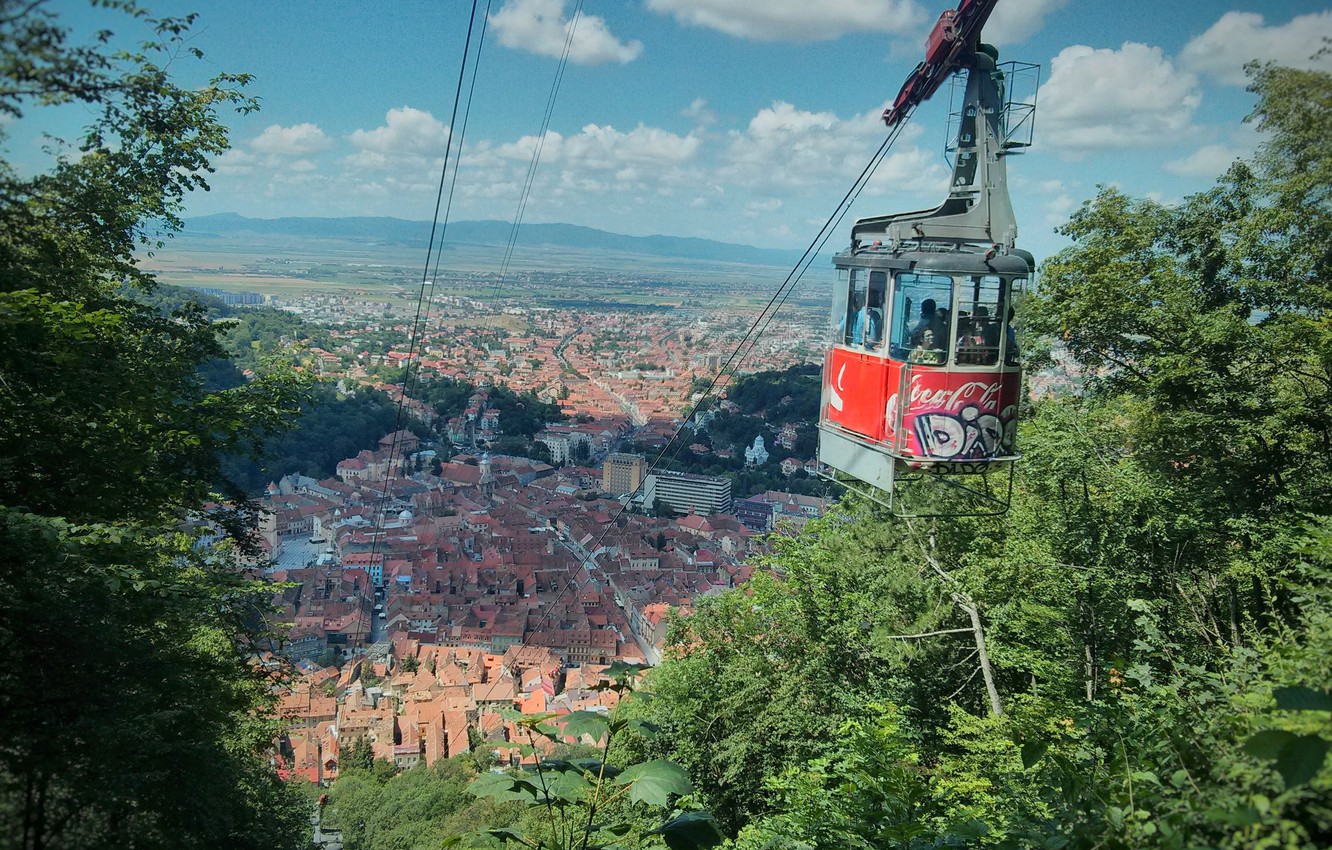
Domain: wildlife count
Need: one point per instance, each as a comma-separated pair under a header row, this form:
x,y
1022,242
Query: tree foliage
x,y
1154,604
131,711
587,803
328,428
417,808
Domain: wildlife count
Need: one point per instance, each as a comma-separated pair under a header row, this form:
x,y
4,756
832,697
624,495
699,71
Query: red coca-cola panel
x,y
951,415
928,412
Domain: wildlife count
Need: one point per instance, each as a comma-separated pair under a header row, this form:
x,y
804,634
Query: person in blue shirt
x,y
867,329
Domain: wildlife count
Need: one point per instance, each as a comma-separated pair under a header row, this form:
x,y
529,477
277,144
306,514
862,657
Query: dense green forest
x,y
764,402
329,427
132,713
251,334
521,415
1121,659
1138,654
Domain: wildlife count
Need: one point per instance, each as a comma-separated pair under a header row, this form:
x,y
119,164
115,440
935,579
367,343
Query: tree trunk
x,y
964,601
1089,665
996,707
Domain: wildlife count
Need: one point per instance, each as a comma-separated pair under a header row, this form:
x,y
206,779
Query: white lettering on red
x,y
983,395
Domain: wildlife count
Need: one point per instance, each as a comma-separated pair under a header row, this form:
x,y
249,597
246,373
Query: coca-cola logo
x,y
982,394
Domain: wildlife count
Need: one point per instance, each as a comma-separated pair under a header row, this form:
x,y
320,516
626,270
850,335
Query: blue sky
x,y
738,120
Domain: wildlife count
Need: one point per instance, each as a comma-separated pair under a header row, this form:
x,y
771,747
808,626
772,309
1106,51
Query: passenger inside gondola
x,y
970,344
847,329
1012,354
871,332
926,350
909,323
927,320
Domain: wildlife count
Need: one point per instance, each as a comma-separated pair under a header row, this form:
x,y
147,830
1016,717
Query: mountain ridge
x,y
487,232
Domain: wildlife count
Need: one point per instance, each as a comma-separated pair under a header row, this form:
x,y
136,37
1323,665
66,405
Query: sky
x,y
738,120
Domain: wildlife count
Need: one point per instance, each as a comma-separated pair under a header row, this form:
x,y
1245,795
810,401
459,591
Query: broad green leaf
x,y
507,834
1301,760
621,670
492,785
655,781
644,728
691,831
594,766
971,829
1269,743
590,723
501,786
1301,698
568,785
525,791
616,829
1032,752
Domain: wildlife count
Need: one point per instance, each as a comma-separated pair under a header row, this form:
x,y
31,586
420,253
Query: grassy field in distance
x,y
291,267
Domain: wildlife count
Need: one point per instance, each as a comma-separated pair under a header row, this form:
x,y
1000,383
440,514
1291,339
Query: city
x,y
428,583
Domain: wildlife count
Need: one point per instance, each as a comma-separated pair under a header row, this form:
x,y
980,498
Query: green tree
x,y
148,726
417,808
1153,606
584,803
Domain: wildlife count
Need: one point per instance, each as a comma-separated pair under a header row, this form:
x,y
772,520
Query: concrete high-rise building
x,y
622,473
702,494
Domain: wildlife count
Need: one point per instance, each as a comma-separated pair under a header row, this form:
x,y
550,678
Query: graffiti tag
x,y
970,434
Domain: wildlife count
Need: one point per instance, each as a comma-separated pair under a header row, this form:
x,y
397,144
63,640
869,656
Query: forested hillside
x,y
251,334
1139,653
1154,609
755,405
329,427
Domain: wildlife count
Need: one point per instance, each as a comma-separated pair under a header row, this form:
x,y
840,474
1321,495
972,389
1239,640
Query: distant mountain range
x,y
491,233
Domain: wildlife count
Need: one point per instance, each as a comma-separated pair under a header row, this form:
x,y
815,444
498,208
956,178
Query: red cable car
x,y
923,371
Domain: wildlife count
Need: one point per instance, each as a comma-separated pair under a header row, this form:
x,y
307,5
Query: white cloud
x,y
235,162
1126,98
297,140
1208,161
407,132
539,26
1014,21
757,209
598,166
793,20
786,147
1046,186
605,149
699,113
1057,210
1240,37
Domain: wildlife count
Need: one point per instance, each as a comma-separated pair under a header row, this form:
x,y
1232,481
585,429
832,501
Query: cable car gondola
x,y
922,375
